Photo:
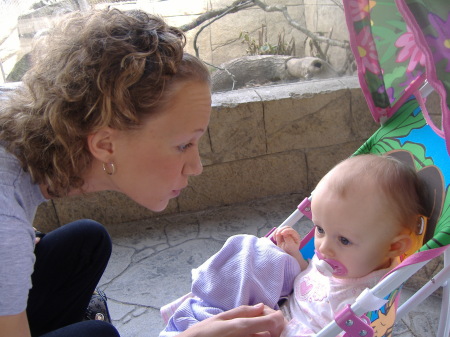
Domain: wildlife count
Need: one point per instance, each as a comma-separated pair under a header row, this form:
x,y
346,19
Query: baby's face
x,y
355,230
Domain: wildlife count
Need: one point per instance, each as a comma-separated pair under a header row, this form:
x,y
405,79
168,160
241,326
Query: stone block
x,y
236,133
363,124
106,207
320,160
245,180
306,89
233,98
46,218
433,106
319,121
204,147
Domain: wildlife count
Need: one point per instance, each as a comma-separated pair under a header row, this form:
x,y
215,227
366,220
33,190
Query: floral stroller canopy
x,y
398,45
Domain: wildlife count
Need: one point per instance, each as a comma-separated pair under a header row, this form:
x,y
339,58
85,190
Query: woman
x,y
111,103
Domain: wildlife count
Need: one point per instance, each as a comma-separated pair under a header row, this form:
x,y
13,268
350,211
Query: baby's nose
x,y
326,249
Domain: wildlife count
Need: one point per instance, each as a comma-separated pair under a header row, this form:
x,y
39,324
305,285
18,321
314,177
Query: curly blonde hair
x,y
94,69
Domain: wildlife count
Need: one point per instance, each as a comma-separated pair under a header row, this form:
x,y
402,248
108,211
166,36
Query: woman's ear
x,y
100,144
399,245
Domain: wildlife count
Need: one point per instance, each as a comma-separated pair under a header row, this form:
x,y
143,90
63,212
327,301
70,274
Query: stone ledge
x,y
262,141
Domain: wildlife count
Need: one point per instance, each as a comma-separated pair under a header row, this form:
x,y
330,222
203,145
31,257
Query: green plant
x,y
263,47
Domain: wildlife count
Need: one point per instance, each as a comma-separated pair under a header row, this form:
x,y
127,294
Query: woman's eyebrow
x,y
199,130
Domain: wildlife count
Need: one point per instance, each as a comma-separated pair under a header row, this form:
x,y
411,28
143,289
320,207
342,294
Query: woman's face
x,y
153,164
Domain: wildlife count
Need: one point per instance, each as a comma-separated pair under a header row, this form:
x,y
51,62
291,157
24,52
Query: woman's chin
x,y
156,206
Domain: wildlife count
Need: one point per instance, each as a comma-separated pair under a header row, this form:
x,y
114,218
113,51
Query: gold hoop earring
x,y
110,169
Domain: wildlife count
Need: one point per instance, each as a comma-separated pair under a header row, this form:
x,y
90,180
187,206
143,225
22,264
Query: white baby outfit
x,y
318,297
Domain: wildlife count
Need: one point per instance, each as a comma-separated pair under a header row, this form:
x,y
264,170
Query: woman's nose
x,y
193,166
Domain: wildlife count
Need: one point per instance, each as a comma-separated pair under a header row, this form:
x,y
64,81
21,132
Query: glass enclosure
x,y
244,42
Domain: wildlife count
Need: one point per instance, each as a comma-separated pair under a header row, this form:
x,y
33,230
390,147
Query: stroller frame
x,y
372,299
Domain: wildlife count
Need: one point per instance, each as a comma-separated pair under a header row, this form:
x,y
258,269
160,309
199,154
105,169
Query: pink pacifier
x,y
337,268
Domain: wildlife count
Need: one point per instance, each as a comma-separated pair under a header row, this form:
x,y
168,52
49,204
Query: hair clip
x,y
421,225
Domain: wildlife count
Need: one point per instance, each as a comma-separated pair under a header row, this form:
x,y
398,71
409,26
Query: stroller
x,y
401,58
402,50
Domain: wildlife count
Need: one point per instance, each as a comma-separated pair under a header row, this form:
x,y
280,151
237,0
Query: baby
x,y
367,213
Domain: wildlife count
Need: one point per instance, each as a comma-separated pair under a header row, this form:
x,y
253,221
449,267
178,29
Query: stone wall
x,y
260,142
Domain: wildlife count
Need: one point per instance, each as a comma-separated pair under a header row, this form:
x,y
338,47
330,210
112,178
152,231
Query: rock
x,y
309,67
267,69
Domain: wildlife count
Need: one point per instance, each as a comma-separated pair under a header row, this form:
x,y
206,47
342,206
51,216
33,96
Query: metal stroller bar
x,y
380,291
444,329
302,209
426,89
431,286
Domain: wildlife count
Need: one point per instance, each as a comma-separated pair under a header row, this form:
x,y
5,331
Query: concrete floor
x,y
152,261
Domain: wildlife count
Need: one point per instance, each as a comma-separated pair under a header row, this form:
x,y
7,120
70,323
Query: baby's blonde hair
x,y
398,183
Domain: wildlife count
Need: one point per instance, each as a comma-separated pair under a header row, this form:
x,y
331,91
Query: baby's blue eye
x,y
320,230
344,241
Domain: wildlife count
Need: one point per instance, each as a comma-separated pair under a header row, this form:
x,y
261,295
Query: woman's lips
x,y
175,193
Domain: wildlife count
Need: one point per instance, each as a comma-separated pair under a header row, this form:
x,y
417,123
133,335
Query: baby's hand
x,y
288,239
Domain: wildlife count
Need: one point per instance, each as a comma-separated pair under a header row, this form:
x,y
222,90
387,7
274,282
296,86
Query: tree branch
x,y
236,6
295,24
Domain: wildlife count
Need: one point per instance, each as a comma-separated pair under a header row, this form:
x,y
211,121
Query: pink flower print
x,y
410,51
441,43
359,9
389,92
367,50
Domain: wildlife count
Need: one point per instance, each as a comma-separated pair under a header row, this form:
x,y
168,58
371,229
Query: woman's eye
x,y
344,241
184,147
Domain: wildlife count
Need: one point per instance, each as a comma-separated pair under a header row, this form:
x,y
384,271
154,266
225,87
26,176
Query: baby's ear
x,y
399,245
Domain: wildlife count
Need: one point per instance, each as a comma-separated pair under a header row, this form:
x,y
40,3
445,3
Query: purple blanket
x,y
247,270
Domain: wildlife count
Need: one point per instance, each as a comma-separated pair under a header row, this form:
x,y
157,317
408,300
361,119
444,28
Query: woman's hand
x,y
244,321
39,236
